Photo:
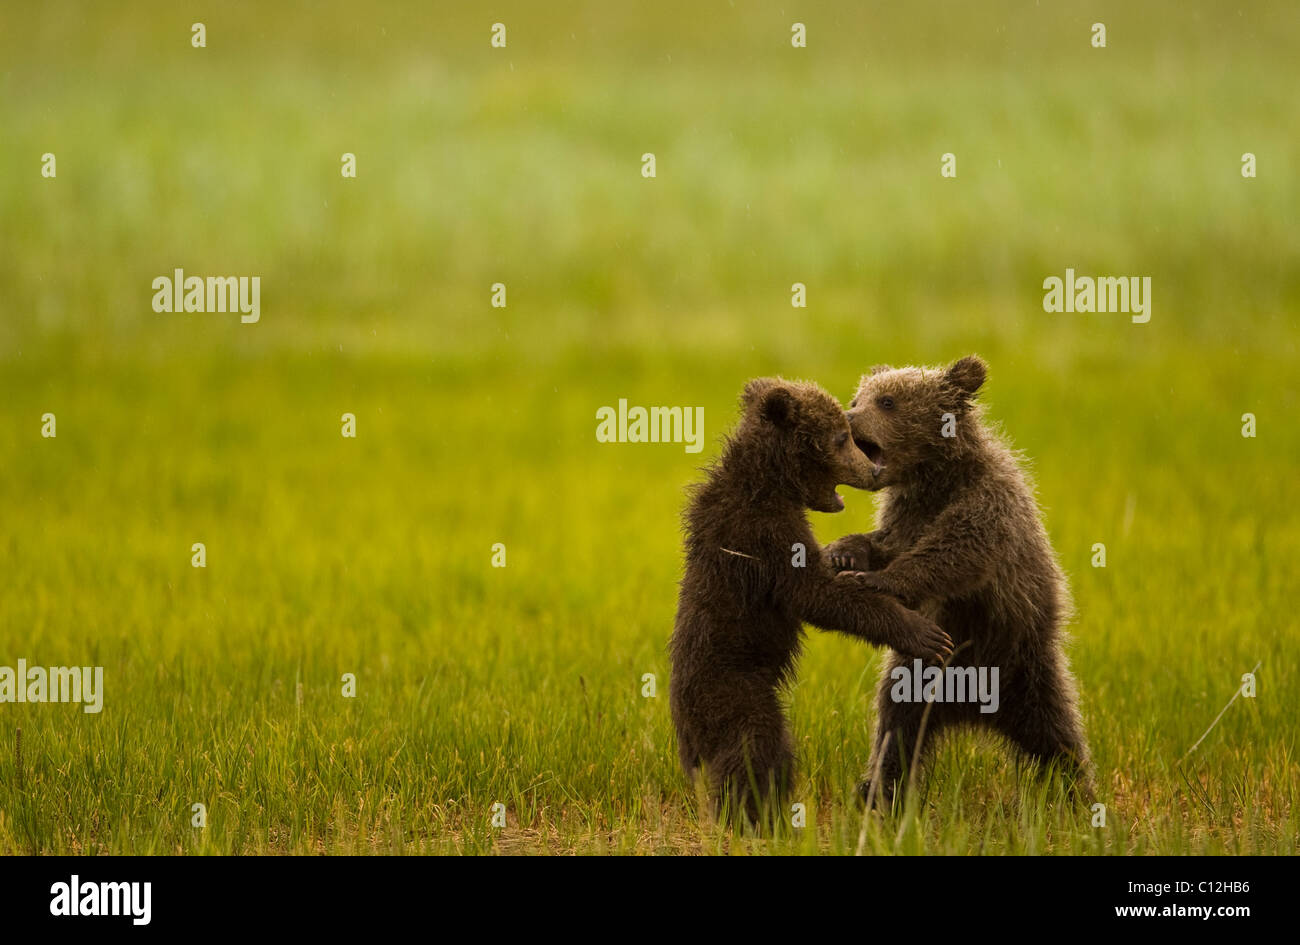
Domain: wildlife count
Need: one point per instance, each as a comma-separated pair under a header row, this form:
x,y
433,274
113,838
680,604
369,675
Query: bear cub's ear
x,y
779,407
967,375
755,388
776,403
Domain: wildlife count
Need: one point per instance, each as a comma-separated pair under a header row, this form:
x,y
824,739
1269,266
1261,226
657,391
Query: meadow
x,y
372,555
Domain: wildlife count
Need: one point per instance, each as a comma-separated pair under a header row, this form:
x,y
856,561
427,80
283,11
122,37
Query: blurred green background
x,y
476,424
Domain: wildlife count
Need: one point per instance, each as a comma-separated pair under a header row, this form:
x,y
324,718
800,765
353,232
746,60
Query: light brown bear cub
x,y
754,575
960,539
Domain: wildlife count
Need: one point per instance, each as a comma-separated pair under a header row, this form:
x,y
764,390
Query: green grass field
x,y
522,685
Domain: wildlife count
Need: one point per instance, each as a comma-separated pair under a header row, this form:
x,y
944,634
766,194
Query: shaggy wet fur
x,y
747,590
961,539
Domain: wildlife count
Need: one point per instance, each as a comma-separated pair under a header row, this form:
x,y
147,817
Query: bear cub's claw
x,y
929,641
940,645
864,792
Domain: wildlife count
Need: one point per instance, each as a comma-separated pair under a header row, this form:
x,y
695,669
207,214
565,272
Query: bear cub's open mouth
x,y
872,450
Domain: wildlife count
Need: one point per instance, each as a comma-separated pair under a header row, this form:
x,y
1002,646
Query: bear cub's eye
x,y
841,440
885,403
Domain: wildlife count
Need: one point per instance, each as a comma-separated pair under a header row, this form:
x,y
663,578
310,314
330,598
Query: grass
x,y
522,686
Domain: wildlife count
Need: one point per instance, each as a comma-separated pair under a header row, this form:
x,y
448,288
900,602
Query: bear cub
x,y
960,538
748,586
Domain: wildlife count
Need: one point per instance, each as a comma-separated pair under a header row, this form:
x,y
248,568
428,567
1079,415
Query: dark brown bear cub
x,y
960,538
753,574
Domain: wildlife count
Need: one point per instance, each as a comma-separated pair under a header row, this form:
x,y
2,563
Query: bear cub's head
x,y
903,418
802,436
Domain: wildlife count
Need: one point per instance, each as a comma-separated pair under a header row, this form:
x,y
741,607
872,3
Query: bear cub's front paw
x,y
872,580
882,582
927,640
